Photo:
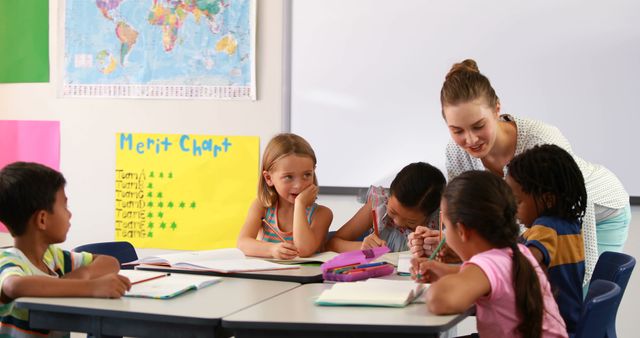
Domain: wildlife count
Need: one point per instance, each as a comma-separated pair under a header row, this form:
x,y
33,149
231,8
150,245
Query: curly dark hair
x,y
552,177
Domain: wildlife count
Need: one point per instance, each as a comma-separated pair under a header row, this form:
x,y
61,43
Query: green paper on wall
x,y
24,41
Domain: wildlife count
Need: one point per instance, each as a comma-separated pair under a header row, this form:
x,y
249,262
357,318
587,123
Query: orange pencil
x,y
375,222
150,278
275,231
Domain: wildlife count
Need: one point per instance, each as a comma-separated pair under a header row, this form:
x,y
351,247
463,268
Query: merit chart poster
x,y
184,192
159,49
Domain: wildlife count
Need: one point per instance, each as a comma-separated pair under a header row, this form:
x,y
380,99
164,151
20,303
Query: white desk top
x,y
212,302
295,309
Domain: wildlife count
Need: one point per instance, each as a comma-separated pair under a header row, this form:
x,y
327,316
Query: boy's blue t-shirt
x,y
14,322
562,247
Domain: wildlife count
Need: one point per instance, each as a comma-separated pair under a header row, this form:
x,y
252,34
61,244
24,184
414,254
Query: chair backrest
x,y
614,267
599,309
123,251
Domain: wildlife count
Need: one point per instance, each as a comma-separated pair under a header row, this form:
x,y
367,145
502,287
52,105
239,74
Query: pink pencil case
x,y
356,265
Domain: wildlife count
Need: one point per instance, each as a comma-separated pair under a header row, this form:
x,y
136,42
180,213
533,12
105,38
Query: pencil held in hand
x,y
274,230
150,278
375,222
435,252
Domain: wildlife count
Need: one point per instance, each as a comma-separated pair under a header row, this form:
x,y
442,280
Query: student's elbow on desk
x,y
105,264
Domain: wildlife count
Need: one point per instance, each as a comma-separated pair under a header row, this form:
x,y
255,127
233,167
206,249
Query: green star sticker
x,y
150,194
170,205
182,204
173,225
161,175
150,234
159,195
151,174
150,215
170,175
160,205
160,214
150,225
193,205
163,225
150,204
150,186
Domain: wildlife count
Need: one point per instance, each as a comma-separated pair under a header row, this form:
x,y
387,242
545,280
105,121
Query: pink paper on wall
x,y
29,141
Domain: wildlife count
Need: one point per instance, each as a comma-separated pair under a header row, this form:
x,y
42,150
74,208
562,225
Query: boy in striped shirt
x,y
33,206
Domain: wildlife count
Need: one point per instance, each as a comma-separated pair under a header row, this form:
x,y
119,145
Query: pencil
x,y
375,222
275,231
151,278
435,252
440,225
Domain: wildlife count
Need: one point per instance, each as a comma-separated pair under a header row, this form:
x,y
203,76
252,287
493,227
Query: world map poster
x,y
159,49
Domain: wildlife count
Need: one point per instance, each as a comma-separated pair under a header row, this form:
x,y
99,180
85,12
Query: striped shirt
x,y
14,322
562,248
271,216
603,187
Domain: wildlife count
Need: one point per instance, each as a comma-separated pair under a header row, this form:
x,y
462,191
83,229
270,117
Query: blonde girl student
x,y
551,199
412,201
284,221
501,277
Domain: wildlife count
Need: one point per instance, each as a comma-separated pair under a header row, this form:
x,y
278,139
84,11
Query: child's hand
x,y
110,286
284,250
415,240
308,195
427,271
447,255
423,241
372,241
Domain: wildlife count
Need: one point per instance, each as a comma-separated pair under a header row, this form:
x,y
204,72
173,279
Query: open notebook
x,y
320,257
221,260
149,284
372,292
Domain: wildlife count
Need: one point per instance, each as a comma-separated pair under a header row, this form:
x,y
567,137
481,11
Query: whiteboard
x,y
365,77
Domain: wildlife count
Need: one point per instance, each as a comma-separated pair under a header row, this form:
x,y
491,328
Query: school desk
x,y
302,275
294,313
194,314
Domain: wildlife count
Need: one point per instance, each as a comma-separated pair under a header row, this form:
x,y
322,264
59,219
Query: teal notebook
x,y
148,284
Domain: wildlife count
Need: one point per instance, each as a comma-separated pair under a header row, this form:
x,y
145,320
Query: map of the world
x,y
160,49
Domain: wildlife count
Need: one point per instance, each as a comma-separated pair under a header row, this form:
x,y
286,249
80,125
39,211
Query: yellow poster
x,y
186,192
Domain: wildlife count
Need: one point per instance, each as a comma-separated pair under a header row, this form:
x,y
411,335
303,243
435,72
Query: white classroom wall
x,y
88,126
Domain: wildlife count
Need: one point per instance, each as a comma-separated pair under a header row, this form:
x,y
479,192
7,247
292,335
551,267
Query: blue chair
x,y
614,267
599,309
123,251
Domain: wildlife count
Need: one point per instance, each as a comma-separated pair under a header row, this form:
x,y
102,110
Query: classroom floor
x,y
627,325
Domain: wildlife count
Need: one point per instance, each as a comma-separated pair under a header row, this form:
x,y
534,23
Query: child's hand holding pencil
x,y
284,249
423,241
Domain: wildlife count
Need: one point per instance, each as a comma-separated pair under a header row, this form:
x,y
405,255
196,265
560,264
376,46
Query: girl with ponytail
x,y
501,277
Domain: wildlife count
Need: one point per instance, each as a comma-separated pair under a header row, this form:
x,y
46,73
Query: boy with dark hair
x,y
33,206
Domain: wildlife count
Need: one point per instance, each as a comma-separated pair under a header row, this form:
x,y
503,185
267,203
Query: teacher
x,y
483,139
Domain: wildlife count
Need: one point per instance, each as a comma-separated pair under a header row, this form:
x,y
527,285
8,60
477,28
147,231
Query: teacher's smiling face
x,y
473,126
